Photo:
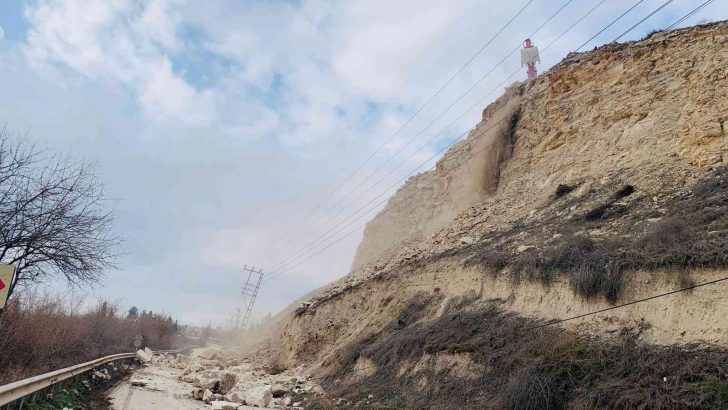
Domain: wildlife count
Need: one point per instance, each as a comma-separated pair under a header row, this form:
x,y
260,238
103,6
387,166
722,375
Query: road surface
x,y
162,391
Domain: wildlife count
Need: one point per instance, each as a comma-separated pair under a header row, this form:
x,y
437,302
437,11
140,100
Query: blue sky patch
x,y
12,20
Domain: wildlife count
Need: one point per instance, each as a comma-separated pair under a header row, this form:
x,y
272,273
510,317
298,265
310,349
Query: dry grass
x,y
691,233
40,333
520,369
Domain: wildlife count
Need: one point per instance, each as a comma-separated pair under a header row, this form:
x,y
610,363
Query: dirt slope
x,y
599,182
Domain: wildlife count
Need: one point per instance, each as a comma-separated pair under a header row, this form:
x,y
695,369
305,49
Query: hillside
x,y
600,182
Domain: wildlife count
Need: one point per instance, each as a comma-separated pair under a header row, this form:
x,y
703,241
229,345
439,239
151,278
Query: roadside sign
x,y
6,278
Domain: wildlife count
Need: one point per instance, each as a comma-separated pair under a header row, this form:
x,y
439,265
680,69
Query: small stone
x,y
138,382
523,248
466,240
224,405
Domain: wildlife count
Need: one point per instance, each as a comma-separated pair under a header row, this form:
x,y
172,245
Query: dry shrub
x,y
519,368
40,333
692,234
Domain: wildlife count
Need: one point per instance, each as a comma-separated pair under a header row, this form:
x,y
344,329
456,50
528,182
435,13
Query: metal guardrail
x,y
15,391
12,392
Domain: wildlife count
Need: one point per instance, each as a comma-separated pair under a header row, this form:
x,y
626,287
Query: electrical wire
x,y
275,274
429,100
687,16
314,243
644,19
411,140
501,62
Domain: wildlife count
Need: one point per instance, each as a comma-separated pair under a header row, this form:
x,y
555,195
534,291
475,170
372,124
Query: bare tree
x,y
54,218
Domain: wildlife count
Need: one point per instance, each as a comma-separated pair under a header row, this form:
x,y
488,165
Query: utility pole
x,y
529,57
248,295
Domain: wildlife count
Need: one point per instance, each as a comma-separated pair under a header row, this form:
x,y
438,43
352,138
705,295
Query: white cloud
x,y
2,33
167,98
122,41
378,53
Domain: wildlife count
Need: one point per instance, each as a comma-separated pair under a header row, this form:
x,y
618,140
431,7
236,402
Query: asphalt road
x,y
162,391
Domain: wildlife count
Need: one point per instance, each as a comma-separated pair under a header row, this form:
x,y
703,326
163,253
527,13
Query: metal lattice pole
x,y
248,295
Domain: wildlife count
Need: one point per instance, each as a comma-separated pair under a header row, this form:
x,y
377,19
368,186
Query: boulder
x,y
227,383
207,380
258,396
236,395
207,396
215,381
144,356
148,351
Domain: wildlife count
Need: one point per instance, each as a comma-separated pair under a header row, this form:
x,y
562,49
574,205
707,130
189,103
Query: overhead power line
x,y
687,16
496,66
314,243
644,19
423,106
278,271
422,131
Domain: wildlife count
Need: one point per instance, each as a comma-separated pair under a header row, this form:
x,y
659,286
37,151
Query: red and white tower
x,y
529,57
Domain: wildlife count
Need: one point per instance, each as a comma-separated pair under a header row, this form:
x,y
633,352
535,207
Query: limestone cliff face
x,y
466,175
652,107
627,132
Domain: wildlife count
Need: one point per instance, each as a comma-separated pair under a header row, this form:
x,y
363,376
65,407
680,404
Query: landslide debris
x,y
221,378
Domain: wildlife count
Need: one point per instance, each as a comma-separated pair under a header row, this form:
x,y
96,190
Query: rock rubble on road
x,y
225,382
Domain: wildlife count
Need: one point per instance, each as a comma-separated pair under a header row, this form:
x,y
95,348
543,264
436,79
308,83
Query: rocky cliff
x,y
600,182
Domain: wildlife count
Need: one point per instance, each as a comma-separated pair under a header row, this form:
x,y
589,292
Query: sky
x,y
218,126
